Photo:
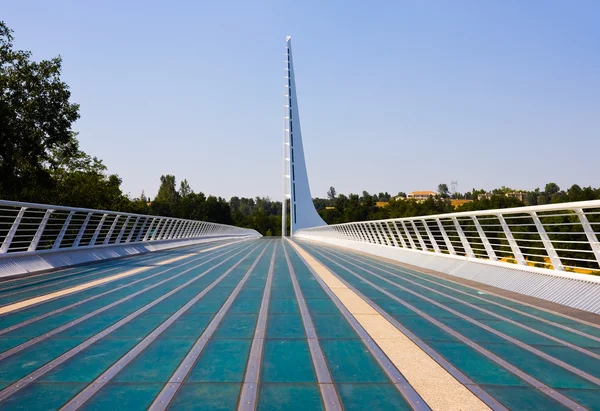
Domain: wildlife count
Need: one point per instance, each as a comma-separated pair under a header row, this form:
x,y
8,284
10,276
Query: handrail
x,y
31,227
560,237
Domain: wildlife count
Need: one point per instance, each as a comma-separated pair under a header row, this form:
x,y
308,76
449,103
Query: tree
x,y
167,191
331,194
185,189
36,117
443,190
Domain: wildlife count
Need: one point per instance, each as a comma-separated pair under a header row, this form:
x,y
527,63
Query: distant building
x,y
421,195
484,196
519,195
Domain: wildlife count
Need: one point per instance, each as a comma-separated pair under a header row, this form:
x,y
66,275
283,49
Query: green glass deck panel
x,y
373,397
577,359
206,396
424,329
519,333
523,398
19,365
475,365
139,327
157,362
287,361
321,306
42,396
221,361
236,326
123,396
300,397
90,363
588,398
539,368
189,325
362,368
283,305
332,326
246,305
285,326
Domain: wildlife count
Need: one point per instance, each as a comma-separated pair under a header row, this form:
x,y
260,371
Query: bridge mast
x,y
295,178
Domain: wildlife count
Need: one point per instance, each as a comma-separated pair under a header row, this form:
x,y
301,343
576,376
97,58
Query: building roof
x,y
428,193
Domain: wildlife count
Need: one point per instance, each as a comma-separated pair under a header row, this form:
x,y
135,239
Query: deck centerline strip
x,y
96,296
33,376
249,392
500,334
166,395
104,378
412,396
495,358
424,276
328,390
400,266
57,294
72,323
493,314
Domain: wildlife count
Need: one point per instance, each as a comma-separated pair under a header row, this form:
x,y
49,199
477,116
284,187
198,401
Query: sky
x,y
393,95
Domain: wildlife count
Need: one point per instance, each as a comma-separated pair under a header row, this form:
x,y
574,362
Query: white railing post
x,y
376,234
82,230
418,234
13,230
463,239
363,233
111,230
387,224
367,232
552,254
486,243
449,245
120,236
130,235
400,237
410,239
514,246
172,229
434,244
589,233
97,232
385,234
150,233
163,229
62,232
40,230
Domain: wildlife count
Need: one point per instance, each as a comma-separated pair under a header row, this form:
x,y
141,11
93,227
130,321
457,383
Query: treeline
x,y
339,208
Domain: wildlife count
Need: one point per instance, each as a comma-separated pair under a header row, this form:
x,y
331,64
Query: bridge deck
x,y
265,322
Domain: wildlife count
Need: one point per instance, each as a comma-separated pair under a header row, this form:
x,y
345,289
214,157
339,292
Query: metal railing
x,y
562,237
28,227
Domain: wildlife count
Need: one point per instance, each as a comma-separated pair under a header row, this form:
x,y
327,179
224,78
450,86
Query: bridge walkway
x,y
273,324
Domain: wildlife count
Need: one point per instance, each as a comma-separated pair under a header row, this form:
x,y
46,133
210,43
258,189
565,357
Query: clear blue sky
x,y
393,96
